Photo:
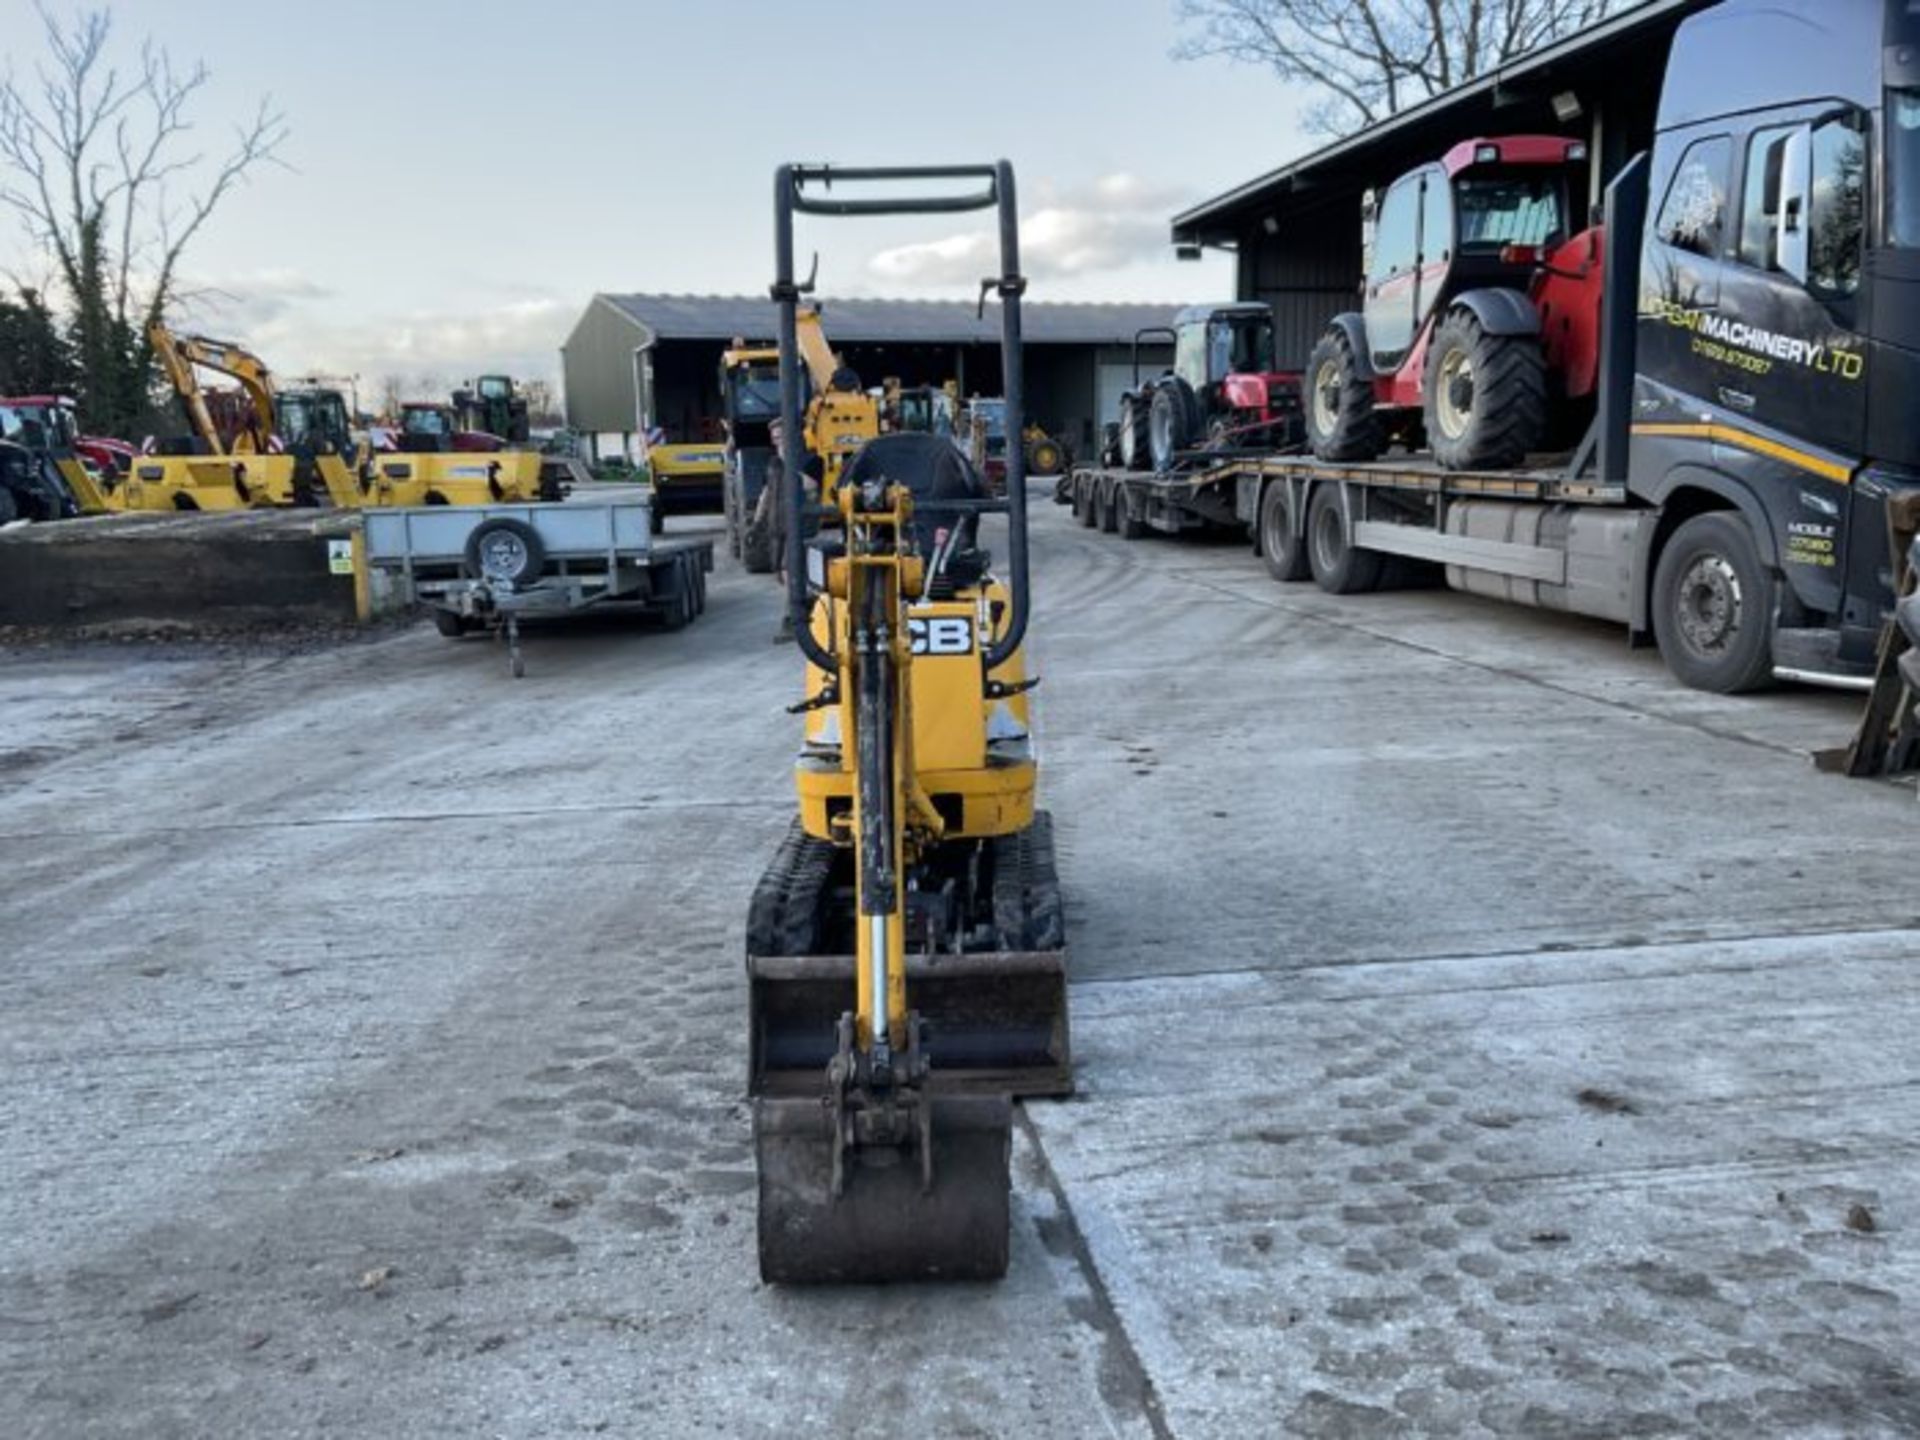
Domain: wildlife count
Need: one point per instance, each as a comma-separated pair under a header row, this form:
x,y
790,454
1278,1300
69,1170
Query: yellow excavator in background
x,y
905,952
213,470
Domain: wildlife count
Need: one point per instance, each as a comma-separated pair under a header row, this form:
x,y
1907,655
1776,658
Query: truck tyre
x,y
1341,423
505,551
1135,438
1166,427
1713,603
1130,525
1484,399
1281,546
1086,501
1110,503
1338,567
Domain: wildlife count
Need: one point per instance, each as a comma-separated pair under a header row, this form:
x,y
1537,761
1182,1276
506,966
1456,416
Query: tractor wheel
x,y
1281,545
1713,605
1135,439
1341,423
1045,457
1166,427
1338,568
1485,395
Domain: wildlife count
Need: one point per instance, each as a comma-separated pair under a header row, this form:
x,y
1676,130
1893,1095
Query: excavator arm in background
x,y
179,354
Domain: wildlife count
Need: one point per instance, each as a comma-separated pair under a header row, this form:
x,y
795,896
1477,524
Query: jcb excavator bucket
x,y
896,1216
996,1022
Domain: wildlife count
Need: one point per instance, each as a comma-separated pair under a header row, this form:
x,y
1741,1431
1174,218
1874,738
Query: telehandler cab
x,y
905,952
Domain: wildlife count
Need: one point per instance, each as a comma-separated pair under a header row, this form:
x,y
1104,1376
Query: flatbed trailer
x,y
486,567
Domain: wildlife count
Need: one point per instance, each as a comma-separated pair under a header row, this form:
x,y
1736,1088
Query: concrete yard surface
x,y
1477,1033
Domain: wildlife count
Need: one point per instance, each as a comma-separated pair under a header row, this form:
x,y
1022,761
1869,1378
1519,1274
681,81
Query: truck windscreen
x,y
1502,210
1903,169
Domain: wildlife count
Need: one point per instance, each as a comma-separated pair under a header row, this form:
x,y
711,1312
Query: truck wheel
x,y
1086,502
1130,525
1135,439
1484,396
1713,606
1281,546
1166,427
1338,567
507,552
1341,423
1110,506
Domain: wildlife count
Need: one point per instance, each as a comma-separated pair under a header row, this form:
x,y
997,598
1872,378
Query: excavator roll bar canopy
x,y
805,189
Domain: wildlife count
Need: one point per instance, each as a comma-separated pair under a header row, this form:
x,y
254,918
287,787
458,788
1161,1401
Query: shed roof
x,y
930,322
1382,151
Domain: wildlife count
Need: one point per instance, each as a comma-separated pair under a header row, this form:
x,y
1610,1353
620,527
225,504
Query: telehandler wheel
x,y
1341,422
505,551
1484,396
1135,440
1713,604
1338,567
1281,546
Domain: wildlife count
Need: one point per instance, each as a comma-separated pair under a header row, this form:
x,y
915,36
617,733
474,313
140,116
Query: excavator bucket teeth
x,y
886,1224
996,1023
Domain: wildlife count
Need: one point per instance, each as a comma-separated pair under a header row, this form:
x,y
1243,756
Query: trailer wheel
x,y
1341,422
1281,546
1713,606
1086,502
453,625
1338,567
678,606
1485,396
1110,504
1130,525
1135,440
505,551
1166,426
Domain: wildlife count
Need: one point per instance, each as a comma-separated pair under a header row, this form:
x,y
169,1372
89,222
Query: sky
x,y
461,178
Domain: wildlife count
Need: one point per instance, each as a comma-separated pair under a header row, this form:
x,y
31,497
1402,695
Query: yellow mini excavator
x,y
906,958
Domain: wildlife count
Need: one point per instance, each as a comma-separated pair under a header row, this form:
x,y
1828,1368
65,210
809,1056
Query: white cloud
x,y
1117,221
289,321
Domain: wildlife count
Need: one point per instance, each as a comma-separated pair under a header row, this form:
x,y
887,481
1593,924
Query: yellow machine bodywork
x,y
972,761
449,477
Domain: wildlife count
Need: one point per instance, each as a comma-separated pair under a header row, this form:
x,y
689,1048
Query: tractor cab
x,y
1213,344
313,421
1225,391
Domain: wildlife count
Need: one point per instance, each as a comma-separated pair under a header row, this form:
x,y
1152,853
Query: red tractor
x,y
1223,392
1482,311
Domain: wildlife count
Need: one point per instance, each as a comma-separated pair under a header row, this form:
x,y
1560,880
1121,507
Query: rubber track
x,y
783,916
1026,889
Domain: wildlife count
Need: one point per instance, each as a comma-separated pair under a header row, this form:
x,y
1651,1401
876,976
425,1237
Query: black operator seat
x,y
935,473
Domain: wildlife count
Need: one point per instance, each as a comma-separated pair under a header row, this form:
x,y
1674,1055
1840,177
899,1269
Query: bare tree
x,y
99,162
1373,58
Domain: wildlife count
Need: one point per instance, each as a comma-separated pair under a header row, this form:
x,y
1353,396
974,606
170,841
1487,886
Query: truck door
x,y
1797,363
1393,278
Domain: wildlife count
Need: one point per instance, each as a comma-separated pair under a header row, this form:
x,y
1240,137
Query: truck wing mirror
x,y
1791,231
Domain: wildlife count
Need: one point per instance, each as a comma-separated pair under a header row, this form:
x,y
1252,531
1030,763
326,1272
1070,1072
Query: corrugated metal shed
x,y
932,322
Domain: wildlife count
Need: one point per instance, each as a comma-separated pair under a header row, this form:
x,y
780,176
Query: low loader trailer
x,y
1758,347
